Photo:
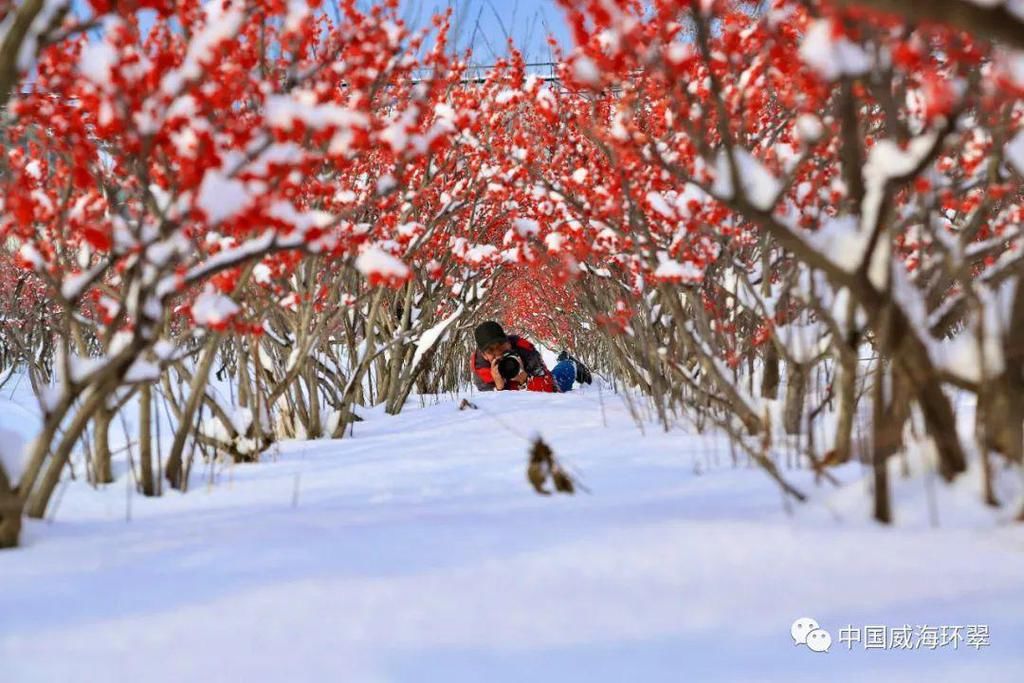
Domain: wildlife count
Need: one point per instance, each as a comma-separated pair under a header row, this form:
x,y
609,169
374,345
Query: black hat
x,y
488,334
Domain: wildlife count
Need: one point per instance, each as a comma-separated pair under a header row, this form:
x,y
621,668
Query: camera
x,y
510,365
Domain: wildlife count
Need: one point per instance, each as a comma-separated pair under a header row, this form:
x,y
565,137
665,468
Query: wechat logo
x,y
805,631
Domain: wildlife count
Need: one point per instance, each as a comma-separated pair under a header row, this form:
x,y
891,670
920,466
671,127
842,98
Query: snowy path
x,y
417,552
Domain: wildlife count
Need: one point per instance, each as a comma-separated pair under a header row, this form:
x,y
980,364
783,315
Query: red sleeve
x,y
524,345
482,376
485,375
544,383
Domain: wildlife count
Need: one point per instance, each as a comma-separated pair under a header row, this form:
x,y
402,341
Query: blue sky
x,y
485,25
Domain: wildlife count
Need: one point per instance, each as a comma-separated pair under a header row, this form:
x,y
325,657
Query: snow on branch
x,y
381,267
998,20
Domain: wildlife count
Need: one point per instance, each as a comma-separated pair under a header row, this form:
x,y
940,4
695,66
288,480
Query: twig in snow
x,y
543,466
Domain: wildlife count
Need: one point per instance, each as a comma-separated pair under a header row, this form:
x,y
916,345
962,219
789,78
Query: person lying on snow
x,y
510,362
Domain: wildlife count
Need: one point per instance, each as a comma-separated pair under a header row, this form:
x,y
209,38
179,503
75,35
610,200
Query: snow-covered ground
x,y
416,551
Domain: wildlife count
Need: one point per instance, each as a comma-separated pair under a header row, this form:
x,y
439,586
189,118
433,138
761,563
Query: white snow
x,y
18,427
1015,152
760,186
298,11
164,349
262,274
660,205
809,128
213,308
506,96
386,183
676,53
304,222
475,254
222,20
221,197
376,261
585,71
841,240
554,241
526,227
213,428
96,61
1016,8
31,255
82,367
142,371
244,251
431,337
887,160
73,285
669,270
803,342
414,550
396,133
283,111
410,230
832,57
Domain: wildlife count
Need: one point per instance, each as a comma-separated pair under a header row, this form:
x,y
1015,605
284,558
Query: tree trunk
x,y
38,498
299,408
1000,416
316,429
989,492
770,379
847,392
796,395
881,449
10,513
174,469
353,390
146,440
889,418
941,423
20,23
242,366
101,465
982,422
912,358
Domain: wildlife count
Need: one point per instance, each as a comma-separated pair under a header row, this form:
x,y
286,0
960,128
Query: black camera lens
x,y
510,366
